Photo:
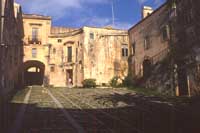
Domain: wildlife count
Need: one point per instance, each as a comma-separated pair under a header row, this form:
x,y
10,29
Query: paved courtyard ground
x,y
61,110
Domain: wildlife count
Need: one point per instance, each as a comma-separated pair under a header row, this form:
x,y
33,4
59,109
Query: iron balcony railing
x,y
34,40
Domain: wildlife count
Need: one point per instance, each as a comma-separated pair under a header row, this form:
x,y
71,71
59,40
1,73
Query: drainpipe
x,y
0,42
1,20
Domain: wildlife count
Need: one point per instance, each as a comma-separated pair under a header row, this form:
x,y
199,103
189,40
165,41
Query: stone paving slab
x,y
98,111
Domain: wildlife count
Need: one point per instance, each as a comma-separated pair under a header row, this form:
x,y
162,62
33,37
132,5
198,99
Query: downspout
x,y
0,20
2,4
1,44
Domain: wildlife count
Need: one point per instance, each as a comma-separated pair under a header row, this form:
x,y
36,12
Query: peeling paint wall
x,y
103,54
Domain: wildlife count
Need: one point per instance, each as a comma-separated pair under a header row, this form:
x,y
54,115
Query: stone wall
x,y
11,54
11,48
147,42
103,54
187,49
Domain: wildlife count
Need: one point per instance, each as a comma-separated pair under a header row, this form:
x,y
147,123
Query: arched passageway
x,y
33,73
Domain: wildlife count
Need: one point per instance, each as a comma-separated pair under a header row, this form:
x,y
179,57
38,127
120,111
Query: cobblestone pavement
x,y
62,110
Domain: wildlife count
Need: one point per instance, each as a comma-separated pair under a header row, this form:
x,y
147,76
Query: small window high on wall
x,y
92,36
59,40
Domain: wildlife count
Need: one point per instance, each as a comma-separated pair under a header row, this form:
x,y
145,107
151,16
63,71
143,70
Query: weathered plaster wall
x,y
102,55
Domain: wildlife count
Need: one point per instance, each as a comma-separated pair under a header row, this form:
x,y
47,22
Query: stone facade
x,y
11,47
170,31
186,45
11,53
74,54
149,42
106,54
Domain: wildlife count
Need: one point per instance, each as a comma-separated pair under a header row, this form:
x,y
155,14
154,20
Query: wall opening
x,y
69,77
147,68
33,73
182,81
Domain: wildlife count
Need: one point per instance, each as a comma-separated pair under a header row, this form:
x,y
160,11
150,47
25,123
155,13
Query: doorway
x,y
69,77
147,67
182,81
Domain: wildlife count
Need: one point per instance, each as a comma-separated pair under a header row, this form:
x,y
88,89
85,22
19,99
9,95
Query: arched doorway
x,y
147,67
33,73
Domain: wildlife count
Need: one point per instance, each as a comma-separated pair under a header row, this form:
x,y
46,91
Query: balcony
x,y
35,40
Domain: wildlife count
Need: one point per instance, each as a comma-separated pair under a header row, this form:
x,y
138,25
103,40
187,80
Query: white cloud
x,y
103,21
56,8
95,21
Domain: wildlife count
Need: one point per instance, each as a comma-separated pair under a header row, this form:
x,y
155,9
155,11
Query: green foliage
x,y
147,91
128,81
114,82
89,83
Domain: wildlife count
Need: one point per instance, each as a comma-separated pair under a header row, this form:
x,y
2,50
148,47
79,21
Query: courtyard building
x,y
149,41
168,35
61,56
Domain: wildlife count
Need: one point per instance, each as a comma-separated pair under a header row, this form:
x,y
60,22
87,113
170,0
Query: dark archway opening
x,y
33,73
147,68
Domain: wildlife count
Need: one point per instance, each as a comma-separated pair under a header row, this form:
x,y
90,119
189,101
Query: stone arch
x,y
33,72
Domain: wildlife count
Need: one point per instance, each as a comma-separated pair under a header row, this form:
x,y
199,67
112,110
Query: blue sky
x,y
78,13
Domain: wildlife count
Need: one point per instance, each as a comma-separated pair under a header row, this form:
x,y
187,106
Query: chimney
x,y
146,11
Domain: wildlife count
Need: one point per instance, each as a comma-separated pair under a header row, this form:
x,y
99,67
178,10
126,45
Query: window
x,y
124,50
52,69
54,50
69,51
59,40
76,54
165,33
133,48
147,43
34,52
35,32
92,36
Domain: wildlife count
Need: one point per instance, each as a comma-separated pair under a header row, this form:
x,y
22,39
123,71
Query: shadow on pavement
x,y
142,116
